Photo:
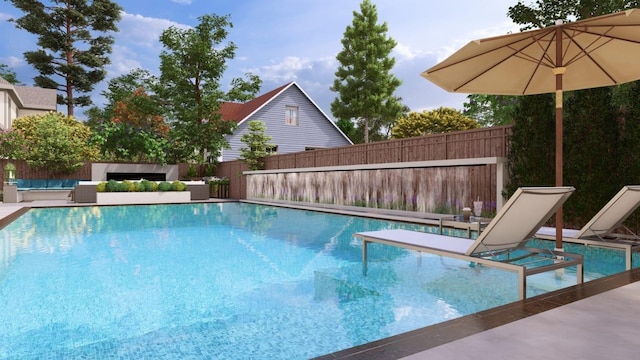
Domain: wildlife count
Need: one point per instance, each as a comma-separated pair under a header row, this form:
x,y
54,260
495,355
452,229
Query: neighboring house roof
x,y
240,112
37,98
29,97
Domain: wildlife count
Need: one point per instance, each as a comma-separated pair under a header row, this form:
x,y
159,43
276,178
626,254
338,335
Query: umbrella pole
x,y
558,72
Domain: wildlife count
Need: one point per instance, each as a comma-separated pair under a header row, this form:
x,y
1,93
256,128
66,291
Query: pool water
x,y
229,281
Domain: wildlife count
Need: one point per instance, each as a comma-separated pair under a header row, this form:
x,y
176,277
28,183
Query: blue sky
x,y
292,40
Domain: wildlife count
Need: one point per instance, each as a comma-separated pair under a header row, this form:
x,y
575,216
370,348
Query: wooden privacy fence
x,y
478,143
469,144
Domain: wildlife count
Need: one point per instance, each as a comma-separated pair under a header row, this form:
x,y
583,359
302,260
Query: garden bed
x,y
156,197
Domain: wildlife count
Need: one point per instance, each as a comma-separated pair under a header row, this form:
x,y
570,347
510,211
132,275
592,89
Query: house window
x,y
291,115
272,150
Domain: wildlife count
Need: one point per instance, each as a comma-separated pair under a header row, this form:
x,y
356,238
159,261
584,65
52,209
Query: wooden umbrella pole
x,y
558,71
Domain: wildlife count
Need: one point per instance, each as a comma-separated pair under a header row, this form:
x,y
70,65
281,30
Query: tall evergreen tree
x,y
73,44
192,65
363,81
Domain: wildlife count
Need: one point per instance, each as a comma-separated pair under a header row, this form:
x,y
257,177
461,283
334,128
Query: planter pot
x,y
477,208
219,190
157,197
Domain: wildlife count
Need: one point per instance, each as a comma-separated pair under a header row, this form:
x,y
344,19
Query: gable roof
x,y
240,112
29,97
37,98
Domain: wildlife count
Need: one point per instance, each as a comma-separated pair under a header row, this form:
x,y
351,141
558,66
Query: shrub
x,y
129,185
146,185
164,186
178,186
111,186
142,186
122,187
101,187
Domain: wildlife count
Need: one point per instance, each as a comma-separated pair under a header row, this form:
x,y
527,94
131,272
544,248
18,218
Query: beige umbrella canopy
x,y
595,52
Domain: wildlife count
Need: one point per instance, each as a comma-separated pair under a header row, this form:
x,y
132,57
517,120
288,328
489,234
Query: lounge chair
x,y
600,230
501,244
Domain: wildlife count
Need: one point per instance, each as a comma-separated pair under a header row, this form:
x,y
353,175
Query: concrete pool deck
x,y
594,320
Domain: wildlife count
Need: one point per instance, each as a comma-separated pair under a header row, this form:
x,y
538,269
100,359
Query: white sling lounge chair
x,y
599,231
501,243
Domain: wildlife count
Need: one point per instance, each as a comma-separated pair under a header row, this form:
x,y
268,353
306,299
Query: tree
x,y
437,121
12,145
136,132
490,110
121,88
349,129
363,81
73,46
9,75
192,65
258,145
55,142
545,12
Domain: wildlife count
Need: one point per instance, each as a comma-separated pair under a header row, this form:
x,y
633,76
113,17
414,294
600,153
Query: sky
x,y
291,40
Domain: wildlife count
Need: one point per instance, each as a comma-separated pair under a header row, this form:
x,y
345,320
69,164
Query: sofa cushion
x,y
69,183
38,184
23,184
54,184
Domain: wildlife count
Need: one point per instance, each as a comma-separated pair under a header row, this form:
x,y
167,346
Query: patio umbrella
x,y
589,53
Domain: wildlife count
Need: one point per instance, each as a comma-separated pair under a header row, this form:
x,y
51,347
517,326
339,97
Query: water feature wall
x,y
436,189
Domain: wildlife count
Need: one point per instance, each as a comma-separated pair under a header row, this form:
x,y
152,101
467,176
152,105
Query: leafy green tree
x,y
55,142
349,129
258,145
543,13
73,44
436,121
9,75
192,65
135,133
364,83
122,88
490,110
12,144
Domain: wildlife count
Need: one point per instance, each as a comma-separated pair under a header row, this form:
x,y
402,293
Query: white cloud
x,y
143,30
284,71
123,60
186,2
12,61
5,17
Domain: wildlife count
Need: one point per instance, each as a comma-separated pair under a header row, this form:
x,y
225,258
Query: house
x,y
17,101
294,122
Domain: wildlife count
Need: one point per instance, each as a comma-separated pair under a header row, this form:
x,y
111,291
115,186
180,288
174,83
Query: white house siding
x,y
8,110
313,130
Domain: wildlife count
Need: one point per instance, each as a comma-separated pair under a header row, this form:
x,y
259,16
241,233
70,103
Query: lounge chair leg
x,y
364,257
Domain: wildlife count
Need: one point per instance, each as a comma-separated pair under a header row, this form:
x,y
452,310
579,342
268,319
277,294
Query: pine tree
x,y
363,81
258,145
73,45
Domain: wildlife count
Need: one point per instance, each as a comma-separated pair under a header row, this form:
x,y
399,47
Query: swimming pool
x,y
227,281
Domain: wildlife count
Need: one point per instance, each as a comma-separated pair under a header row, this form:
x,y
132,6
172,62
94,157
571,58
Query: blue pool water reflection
x,y
228,281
